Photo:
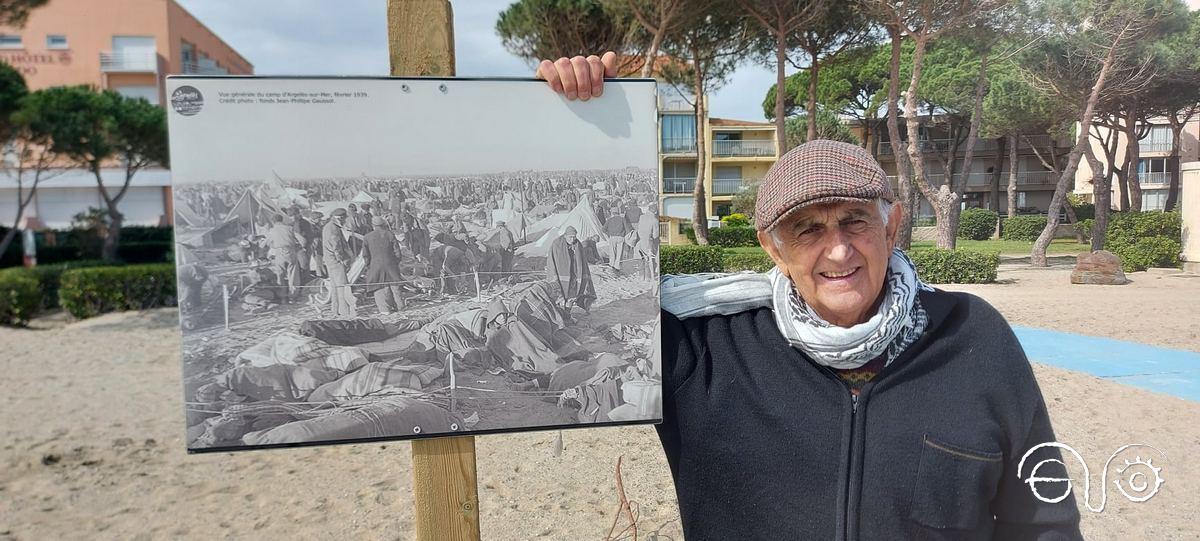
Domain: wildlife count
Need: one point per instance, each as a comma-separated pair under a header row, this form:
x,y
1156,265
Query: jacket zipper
x,y
844,504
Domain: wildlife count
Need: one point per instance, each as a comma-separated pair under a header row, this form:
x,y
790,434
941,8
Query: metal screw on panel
x,y
443,88
405,88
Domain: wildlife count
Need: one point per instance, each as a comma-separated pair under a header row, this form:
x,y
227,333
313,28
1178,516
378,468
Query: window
x,y
1158,139
1152,171
1154,199
678,133
727,136
56,41
10,41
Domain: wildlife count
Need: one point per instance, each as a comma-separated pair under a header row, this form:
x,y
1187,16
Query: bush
x,y
1084,226
736,219
1023,228
1149,252
20,299
1145,239
977,224
937,266
733,237
757,262
144,252
93,291
49,276
690,259
1083,209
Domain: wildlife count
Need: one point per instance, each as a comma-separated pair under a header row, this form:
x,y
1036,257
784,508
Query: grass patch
x,y
1011,247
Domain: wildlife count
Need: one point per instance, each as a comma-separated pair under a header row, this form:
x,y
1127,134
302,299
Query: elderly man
x,y
567,270
336,256
838,397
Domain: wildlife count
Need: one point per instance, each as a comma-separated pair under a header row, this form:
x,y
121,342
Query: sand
x,y
91,440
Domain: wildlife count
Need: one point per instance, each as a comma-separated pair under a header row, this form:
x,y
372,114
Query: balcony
x,y
1154,179
129,62
982,146
975,180
729,186
674,104
679,145
754,148
201,68
678,185
1155,146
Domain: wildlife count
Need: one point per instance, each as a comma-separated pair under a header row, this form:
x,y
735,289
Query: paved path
x,y
1172,371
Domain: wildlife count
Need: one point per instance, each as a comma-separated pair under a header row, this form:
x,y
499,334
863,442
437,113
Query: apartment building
x,y
128,46
736,152
1156,162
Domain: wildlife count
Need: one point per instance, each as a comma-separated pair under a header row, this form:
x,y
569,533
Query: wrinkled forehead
x,y
828,213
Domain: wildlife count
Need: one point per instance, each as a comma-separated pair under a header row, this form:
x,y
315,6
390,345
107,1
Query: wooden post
x,y
445,488
225,301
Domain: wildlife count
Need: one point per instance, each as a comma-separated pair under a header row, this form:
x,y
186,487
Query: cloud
x,y
318,37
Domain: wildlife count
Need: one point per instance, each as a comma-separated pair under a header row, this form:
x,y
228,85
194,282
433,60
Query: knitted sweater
x,y
763,443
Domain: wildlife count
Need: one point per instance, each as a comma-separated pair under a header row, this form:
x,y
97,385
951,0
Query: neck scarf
x,y
899,322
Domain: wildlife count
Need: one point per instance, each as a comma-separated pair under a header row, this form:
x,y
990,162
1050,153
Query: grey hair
x,y
885,210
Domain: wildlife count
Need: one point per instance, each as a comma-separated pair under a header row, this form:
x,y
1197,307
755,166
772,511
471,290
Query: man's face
x,y
836,255
571,238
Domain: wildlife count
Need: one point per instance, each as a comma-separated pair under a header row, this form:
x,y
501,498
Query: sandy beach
x,y
92,439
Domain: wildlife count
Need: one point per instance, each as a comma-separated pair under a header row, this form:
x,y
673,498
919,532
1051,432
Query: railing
x,y
194,68
982,145
729,186
679,145
751,148
1154,178
1026,178
1155,146
674,104
139,61
678,185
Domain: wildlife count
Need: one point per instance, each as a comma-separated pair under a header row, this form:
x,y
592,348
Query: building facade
x,y
737,153
128,46
1157,162
987,181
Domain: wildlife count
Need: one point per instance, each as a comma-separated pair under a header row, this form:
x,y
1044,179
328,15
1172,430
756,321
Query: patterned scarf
x,y
900,321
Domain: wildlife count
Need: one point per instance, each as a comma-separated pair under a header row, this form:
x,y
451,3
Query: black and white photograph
x,y
391,258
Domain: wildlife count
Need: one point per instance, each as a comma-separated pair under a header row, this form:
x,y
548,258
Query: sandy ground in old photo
x,y
91,440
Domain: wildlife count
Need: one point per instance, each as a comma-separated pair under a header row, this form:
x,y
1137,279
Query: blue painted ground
x,y
1171,371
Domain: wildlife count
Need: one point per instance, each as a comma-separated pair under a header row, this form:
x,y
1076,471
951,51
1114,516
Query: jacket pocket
x,y
954,485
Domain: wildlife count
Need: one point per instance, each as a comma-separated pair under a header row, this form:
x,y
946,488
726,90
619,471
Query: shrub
x,y
1149,252
977,224
49,276
1083,209
736,219
1084,226
937,266
20,299
1023,228
144,252
741,261
93,291
733,237
690,259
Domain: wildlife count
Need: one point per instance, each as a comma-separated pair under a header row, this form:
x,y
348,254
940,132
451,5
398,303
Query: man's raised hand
x,y
578,77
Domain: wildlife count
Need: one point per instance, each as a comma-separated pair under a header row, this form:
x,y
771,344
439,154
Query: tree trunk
x,y
947,229
1038,256
1173,187
1133,151
1122,174
652,52
781,92
112,237
903,177
1101,198
1011,209
811,107
699,201
997,168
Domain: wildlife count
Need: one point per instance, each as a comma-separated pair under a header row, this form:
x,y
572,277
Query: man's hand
x,y
578,77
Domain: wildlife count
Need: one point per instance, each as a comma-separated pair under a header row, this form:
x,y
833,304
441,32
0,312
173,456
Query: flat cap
x,y
819,171
339,212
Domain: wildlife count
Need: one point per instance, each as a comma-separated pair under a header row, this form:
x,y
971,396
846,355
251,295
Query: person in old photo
x,y
838,396
337,257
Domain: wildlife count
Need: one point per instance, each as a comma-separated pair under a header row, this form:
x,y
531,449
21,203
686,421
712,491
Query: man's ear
x,y
895,214
768,245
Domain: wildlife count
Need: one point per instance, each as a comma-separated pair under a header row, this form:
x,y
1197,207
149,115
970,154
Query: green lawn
x,y
1005,247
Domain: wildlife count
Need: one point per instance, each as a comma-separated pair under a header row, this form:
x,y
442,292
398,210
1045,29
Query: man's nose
x,y
839,248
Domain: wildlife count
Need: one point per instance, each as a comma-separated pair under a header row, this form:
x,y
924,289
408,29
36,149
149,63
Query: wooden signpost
x,y
445,488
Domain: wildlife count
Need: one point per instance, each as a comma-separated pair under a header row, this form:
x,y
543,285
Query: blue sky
x,y
318,37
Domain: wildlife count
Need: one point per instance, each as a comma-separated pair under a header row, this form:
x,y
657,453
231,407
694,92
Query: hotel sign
x,y
28,63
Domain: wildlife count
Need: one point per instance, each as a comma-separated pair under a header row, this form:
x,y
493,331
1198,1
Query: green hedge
x,y
1145,239
48,278
736,219
690,259
733,237
977,224
937,266
757,262
20,299
1023,228
1084,226
90,292
145,252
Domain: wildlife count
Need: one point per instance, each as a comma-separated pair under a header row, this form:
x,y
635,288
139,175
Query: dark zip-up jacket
x,y
763,443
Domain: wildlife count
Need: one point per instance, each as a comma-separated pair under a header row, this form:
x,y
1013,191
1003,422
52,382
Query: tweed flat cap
x,y
818,171
339,212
